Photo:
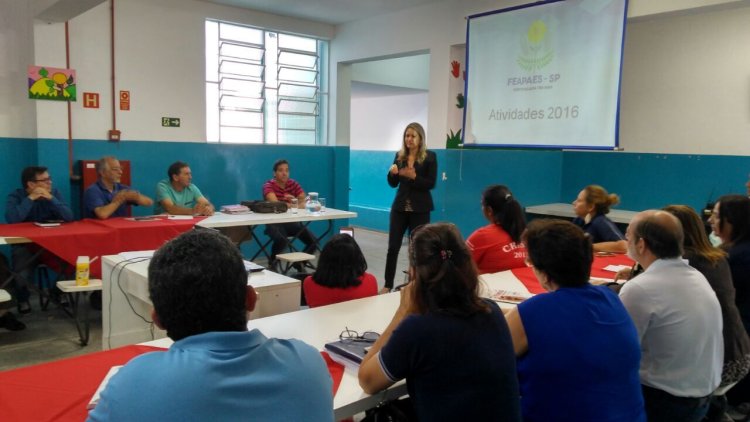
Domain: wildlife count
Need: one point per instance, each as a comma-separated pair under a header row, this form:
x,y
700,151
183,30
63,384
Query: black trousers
x,y
400,222
279,233
664,407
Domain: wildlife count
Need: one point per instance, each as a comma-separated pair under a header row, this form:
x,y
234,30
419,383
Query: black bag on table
x,y
266,207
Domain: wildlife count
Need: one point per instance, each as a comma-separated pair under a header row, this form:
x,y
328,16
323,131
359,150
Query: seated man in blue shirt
x,y
216,369
35,201
108,197
177,195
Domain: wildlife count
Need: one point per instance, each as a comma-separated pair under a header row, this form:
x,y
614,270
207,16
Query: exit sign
x,y
170,121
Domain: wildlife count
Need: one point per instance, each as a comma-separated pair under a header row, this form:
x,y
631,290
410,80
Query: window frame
x,y
264,86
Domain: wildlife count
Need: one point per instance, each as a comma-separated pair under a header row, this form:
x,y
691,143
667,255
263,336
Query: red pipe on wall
x,y
70,111
112,53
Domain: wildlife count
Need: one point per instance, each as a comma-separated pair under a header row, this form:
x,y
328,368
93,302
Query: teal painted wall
x,y
646,181
370,195
226,174
534,176
15,153
543,176
356,179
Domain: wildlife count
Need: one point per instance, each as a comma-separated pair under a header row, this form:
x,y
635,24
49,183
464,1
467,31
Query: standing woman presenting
x,y
414,171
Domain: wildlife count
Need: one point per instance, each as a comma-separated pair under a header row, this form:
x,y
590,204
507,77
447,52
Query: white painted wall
x,y
430,28
409,72
379,115
703,69
159,47
686,84
17,113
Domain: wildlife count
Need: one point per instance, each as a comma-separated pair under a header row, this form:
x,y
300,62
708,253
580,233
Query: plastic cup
x,y
294,206
322,204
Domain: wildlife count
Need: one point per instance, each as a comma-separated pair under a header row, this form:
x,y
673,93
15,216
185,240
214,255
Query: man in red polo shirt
x,y
282,188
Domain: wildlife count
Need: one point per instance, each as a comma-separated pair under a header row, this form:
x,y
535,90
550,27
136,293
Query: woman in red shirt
x,y
497,246
341,274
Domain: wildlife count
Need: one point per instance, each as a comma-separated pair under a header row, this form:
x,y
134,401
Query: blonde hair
x,y
600,199
422,153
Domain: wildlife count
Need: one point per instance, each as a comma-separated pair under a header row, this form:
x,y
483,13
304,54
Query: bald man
x,y
678,319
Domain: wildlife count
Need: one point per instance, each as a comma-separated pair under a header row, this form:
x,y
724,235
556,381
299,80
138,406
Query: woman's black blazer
x,y
417,190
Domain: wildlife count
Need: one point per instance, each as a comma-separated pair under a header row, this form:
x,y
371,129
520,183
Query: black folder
x,y
354,350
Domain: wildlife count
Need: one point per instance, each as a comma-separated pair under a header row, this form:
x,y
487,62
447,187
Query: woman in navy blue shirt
x,y
453,347
591,207
578,350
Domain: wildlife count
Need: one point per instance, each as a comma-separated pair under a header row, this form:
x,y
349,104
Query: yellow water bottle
x,y
82,271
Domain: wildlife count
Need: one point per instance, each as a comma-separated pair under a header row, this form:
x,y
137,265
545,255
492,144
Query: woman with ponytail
x,y
452,347
497,246
591,208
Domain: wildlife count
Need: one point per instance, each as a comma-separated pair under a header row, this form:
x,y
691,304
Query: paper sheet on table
x,y
601,280
252,267
136,254
615,268
95,399
179,217
508,296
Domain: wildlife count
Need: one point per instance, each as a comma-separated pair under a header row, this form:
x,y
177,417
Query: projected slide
x,y
545,75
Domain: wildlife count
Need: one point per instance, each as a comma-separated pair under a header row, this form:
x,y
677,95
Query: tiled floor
x,y
51,334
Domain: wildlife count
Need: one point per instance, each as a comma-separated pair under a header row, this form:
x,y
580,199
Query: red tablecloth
x,y
59,391
130,235
99,237
527,277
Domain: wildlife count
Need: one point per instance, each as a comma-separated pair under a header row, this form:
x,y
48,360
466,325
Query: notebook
x,y
353,350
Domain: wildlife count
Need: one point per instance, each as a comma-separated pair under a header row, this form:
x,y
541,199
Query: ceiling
x,y
332,12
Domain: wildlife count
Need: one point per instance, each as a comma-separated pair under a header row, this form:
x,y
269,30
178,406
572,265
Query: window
x,y
264,87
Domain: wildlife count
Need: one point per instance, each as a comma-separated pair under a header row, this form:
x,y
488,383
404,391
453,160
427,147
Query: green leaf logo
x,y
536,51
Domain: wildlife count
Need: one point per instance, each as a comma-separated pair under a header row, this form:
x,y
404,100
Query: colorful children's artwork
x,y
51,83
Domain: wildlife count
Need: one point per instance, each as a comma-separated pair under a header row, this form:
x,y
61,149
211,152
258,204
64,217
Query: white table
x,y
566,210
12,240
318,326
125,297
251,220
77,294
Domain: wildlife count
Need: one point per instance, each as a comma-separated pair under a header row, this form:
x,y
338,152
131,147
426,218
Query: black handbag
x,y
266,207
391,411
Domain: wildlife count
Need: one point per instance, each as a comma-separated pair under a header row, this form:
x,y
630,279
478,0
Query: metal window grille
x,y
261,86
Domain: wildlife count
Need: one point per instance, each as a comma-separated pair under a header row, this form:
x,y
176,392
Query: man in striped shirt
x,y
282,188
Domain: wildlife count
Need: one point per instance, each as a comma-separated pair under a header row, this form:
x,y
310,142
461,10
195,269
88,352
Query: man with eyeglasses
x,y
35,201
107,197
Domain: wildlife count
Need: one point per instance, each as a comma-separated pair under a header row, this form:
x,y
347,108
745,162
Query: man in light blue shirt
x,y
177,195
216,370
